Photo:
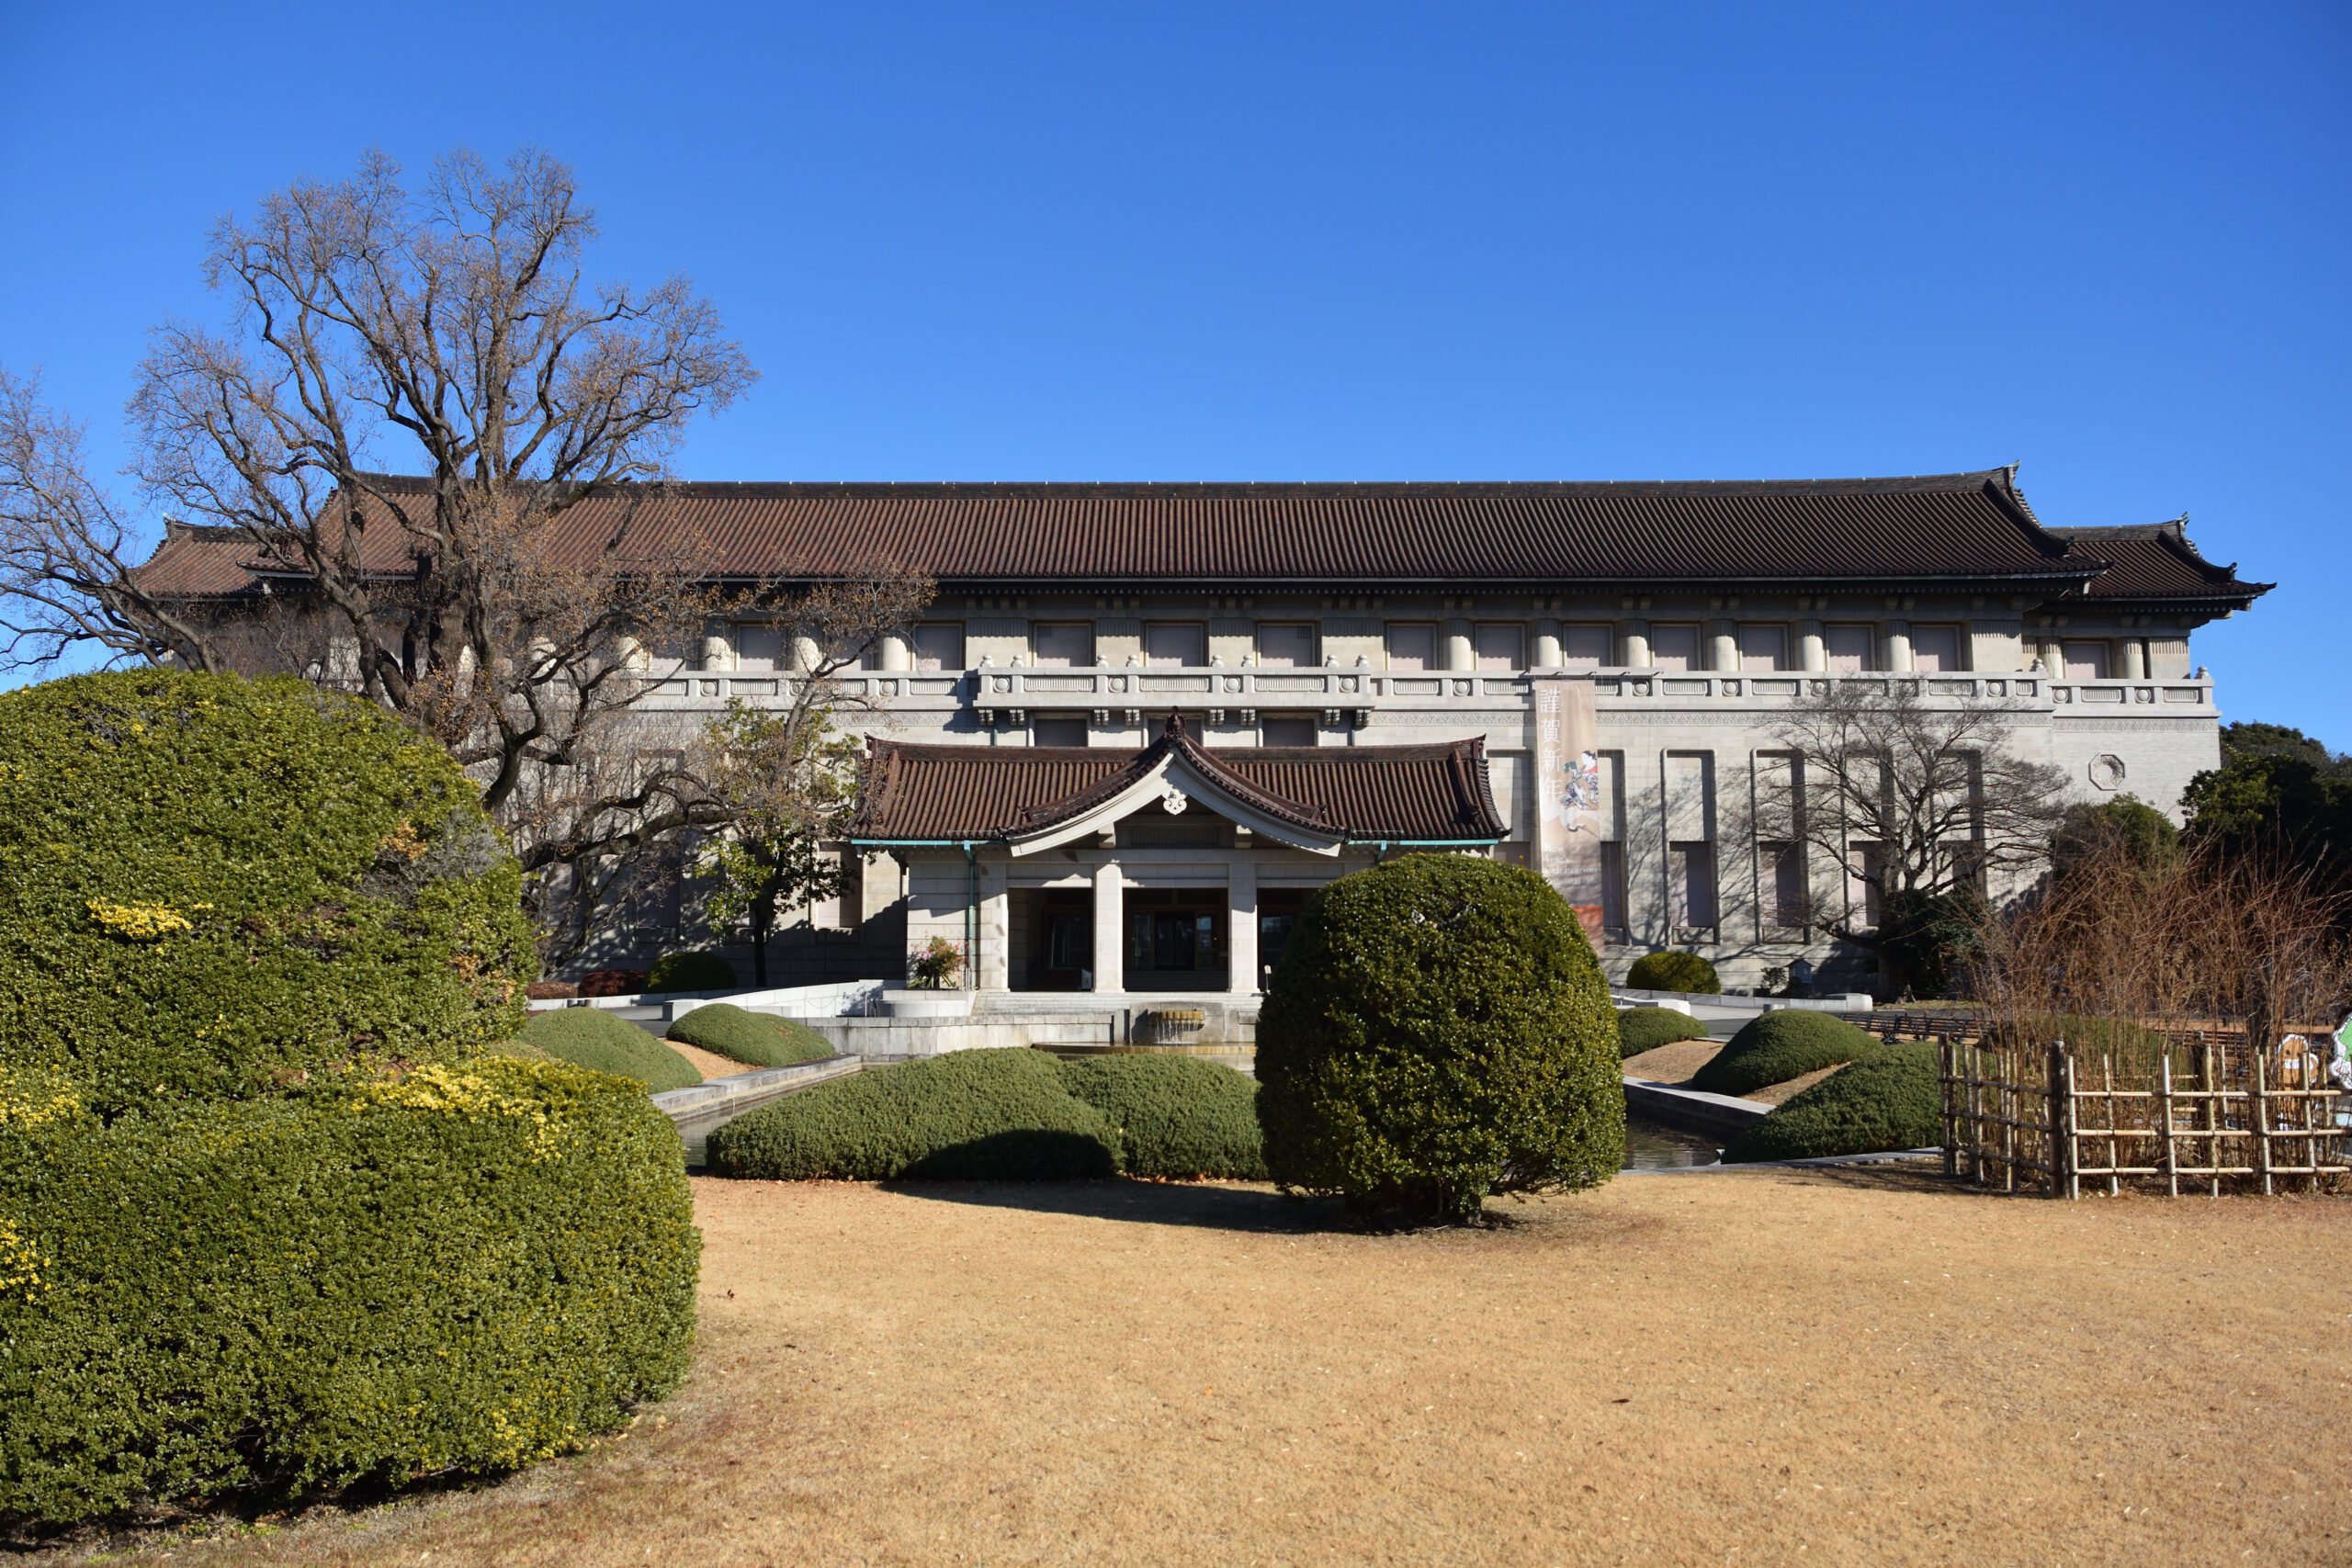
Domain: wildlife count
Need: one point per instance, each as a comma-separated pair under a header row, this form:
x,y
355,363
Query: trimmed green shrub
x,y
1175,1116
1438,1031
754,1038
1889,1099
1672,971
594,1039
966,1116
362,1280
690,972
1647,1029
1778,1046
211,886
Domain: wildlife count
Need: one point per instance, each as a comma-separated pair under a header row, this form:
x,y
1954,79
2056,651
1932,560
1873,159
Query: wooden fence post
x,y
1946,1061
2061,1106
2163,1103
2259,1108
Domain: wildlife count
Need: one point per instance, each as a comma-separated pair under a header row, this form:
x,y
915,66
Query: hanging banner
x,y
1569,822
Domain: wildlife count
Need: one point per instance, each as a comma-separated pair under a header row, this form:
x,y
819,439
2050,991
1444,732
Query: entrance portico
x,y
1176,868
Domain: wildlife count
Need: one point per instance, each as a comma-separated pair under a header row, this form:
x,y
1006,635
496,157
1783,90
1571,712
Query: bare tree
x,y
2196,936
1906,796
68,553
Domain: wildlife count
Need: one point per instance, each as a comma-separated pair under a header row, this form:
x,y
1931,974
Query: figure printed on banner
x,y
1583,797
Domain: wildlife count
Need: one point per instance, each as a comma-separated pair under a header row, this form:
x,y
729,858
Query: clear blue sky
x,y
1349,241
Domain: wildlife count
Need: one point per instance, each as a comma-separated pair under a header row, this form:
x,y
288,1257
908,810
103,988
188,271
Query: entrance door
x,y
1176,939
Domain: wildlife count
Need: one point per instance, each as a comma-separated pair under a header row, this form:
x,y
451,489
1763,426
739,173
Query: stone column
x,y
806,654
894,653
718,649
1725,655
1109,929
1637,644
1547,645
2135,658
1460,653
996,932
1241,925
1898,645
1810,653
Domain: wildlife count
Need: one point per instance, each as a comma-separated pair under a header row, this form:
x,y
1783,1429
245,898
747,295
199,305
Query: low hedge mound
x,y
753,1038
1778,1046
1175,1116
1647,1029
210,886
1671,971
363,1280
966,1116
594,1039
690,972
1888,1099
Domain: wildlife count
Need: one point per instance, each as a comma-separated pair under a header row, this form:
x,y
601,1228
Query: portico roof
x,y
1312,797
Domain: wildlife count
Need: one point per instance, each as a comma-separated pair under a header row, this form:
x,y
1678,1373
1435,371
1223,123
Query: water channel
x,y
1650,1146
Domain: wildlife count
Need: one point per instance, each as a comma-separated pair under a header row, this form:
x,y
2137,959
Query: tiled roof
x,y
2156,562
1971,527
1363,793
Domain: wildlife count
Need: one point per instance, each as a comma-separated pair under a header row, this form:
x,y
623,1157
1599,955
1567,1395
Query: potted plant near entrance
x,y
934,991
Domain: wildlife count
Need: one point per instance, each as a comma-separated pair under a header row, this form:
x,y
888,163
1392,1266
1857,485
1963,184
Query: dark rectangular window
x,y
1612,885
1057,732
1784,885
1691,868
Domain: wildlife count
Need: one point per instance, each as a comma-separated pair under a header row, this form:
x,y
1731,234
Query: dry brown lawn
x,y
1853,1366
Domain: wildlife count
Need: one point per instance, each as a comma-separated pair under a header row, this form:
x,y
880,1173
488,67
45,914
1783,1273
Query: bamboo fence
x,y
2041,1119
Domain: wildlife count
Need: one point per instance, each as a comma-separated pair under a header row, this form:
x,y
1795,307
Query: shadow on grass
x,y
1195,1204
1204,1205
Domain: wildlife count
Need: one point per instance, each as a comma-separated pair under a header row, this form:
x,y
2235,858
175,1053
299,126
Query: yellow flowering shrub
x,y
459,1271
212,885
140,922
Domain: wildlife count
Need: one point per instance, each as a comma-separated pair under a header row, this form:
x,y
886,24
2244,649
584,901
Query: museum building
x,y
1140,723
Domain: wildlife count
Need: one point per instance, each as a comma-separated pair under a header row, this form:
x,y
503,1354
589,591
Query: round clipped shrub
x,y
210,886
753,1038
690,972
966,1116
1438,1031
1647,1029
594,1039
1672,971
360,1280
1778,1046
1175,1116
1889,1099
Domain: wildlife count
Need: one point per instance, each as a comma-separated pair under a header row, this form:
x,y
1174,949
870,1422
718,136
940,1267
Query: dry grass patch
x,y
1843,1367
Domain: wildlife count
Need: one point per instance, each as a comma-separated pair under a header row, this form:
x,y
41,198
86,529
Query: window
x,y
1287,731
1286,647
1691,875
1935,648
1069,944
1674,647
1784,888
1063,645
1612,884
1057,732
1181,643
759,648
2086,661
1864,877
1850,649
939,644
1497,644
1763,647
1412,646
1585,646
